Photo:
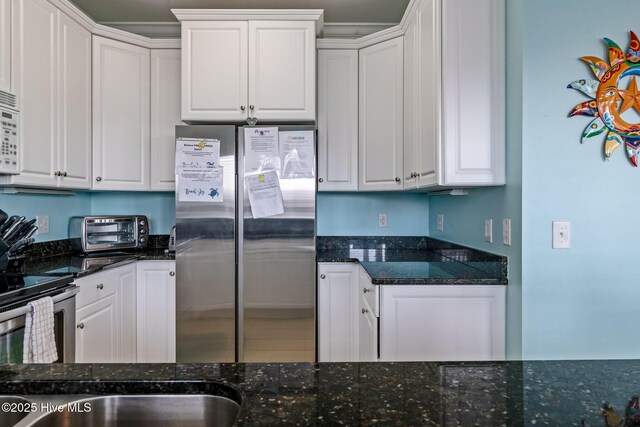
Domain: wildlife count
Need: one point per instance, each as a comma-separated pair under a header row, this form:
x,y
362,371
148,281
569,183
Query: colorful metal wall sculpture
x,y
608,102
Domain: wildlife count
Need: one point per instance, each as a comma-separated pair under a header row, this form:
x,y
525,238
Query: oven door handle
x,y
21,311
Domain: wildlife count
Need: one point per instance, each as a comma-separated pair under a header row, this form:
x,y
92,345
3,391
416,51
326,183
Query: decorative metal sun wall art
x,y
609,103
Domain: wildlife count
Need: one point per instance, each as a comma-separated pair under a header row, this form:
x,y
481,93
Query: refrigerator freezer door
x,y
277,274
206,262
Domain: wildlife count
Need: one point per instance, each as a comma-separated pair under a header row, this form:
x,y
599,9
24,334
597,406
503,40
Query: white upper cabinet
x,y
51,69
473,97
5,45
214,70
337,120
165,115
422,95
121,116
232,70
381,116
282,70
74,162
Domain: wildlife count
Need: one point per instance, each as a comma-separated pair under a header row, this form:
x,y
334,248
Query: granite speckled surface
x,y
58,256
557,393
414,260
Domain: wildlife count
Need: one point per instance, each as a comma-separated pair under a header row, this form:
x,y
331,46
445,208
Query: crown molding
x,y
352,30
252,14
152,30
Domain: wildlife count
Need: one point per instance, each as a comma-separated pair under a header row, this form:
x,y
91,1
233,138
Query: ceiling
x,y
352,11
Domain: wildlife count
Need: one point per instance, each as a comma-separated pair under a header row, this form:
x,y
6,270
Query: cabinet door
x,y
422,96
282,70
125,278
442,322
337,312
473,111
5,45
214,70
35,74
97,332
120,115
368,333
338,120
381,112
74,104
165,115
156,311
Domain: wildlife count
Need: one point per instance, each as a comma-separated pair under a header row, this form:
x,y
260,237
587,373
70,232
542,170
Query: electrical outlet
x,y
382,219
42,222
506,231
561,235
488,230
440,222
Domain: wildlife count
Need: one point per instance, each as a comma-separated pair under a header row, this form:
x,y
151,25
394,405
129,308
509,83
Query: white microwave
x,y
9,146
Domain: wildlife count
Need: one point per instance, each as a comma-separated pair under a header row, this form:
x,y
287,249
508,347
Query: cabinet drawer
x,y
370,292
95,287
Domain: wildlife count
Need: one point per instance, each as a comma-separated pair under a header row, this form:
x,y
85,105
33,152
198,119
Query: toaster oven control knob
x,y
142,240
142,231
142,222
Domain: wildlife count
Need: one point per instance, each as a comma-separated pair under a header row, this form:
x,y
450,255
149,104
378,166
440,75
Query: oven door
x,y
12,327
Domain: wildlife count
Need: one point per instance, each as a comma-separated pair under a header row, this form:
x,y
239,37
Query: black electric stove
x,y
16,288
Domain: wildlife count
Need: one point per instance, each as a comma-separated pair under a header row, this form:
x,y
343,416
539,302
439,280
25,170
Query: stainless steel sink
x,y
16,410
137,411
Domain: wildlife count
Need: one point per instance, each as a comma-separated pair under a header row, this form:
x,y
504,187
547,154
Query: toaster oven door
x,y
110,234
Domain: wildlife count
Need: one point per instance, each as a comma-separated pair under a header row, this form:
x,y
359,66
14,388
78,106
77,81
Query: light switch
x,y
440,222
382,219
561,235
42,222
488,230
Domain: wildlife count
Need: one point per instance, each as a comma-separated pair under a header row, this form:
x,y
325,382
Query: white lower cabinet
x,y
127,314
337,312
440,322
156,311
406,322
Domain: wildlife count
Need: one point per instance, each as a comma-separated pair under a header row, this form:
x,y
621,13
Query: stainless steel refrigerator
x,y
245,286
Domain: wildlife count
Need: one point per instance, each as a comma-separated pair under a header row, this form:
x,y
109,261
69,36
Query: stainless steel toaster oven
x,y
106,233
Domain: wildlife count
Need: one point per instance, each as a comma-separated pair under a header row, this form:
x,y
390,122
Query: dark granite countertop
x,y
58,257
558,393
415,260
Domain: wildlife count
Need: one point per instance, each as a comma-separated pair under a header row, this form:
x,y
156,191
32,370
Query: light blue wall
x,y
464,215
58,208
356,214
160,207
581,302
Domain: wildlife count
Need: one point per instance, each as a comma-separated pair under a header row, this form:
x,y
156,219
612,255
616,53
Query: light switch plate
x,y
488,230
440,222
506,231
561,235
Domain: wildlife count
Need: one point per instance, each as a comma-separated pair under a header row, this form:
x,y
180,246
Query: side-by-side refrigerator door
x,y
205,246
277,262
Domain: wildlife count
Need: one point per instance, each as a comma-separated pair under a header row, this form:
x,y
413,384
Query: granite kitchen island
x,y
560,393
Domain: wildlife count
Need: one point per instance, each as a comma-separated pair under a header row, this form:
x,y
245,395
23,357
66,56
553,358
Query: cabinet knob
x,y
100,286
320,180
365,311
80,326
242,108
365,290
251,107
398,179
98,178
64,174
56,173
172,273
322,276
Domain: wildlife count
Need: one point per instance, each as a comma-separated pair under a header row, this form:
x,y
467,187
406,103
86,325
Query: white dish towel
x,y
39,337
